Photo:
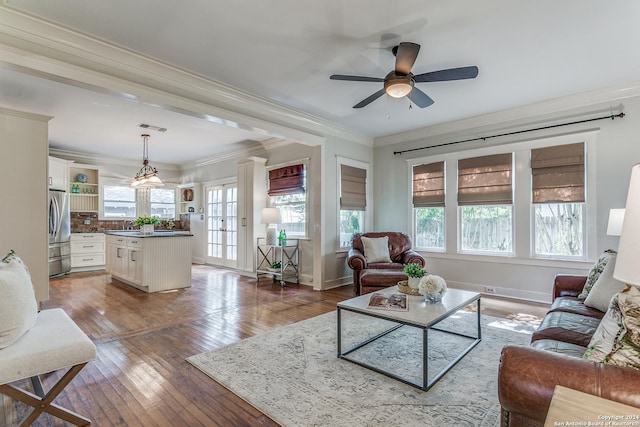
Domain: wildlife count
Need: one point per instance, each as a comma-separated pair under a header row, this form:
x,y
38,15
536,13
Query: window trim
x,y
114,182
522,214
340,160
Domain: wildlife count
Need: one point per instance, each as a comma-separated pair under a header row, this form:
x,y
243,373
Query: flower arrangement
x,y
414,270
142,220
432,285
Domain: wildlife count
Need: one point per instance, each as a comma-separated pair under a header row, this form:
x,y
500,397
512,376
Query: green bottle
x,y
284,238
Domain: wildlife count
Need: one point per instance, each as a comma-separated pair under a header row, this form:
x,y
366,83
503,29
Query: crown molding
x,y
93,159
49,50
251,150
518,115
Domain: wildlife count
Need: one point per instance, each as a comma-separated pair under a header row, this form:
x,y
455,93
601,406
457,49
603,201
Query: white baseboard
x,y
502,292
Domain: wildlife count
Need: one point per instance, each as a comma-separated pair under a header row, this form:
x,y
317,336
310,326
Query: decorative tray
x,y
403,286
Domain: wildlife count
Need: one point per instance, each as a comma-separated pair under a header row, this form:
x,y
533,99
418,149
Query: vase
x,y
413,282
433,298
147,228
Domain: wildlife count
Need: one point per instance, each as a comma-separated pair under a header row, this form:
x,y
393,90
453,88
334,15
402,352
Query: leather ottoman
x,y
373,280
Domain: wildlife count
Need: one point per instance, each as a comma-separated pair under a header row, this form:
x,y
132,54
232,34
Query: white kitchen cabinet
x,y
87,251
58,174
151,263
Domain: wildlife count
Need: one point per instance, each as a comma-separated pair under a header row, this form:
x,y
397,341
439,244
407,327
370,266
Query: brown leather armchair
x,y
369,277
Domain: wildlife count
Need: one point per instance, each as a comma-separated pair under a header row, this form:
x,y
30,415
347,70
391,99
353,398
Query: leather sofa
x,y
370,277
527,376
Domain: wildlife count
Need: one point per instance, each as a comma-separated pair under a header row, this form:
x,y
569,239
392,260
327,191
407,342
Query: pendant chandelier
x,y
148,175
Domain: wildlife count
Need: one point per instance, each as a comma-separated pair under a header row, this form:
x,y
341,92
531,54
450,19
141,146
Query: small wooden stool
x,y
55,342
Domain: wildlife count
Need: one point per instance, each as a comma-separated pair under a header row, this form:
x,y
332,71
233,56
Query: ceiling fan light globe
x,y
398,89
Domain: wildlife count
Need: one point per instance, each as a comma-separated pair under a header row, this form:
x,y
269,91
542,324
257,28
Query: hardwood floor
x,y
141,377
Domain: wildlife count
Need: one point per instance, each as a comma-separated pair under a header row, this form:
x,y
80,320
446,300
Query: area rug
x,y
293,375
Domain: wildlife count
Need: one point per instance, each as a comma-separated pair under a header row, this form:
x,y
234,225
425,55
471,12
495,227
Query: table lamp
x,y
271,217
627,266
614,227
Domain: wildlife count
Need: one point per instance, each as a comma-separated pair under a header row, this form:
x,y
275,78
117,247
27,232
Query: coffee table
x,y
421,315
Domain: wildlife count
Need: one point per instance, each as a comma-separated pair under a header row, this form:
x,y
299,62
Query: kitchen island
x,y
150,262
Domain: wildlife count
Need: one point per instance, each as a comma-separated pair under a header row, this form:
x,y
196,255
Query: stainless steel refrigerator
x,y
59,233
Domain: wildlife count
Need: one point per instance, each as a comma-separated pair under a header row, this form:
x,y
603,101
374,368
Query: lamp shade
x,y
271,216
627,266
614,227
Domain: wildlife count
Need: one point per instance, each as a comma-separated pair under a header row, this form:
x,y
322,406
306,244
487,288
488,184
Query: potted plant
x,y
415,272
146,223
275,266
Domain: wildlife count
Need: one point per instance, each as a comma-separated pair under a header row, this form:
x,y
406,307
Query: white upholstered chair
x,y
55,342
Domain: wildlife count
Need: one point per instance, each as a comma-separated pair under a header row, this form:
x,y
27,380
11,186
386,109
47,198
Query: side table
x,y
287,255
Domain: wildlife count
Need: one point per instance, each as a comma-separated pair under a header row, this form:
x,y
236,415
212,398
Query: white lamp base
x,y
272,235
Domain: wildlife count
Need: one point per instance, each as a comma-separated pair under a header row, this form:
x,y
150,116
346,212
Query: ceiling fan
x,y
400,82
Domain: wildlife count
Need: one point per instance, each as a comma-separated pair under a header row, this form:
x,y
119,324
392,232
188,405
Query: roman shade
x,y
428,185
485,180
287,180
558,173
353,188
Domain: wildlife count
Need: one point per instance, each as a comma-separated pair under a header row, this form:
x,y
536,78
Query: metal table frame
x,y
287,255
426,383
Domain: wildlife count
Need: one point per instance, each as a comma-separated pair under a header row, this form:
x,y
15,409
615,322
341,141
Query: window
x,y
163,202
429,205
287,193
558,196
119,201
485,197
353,202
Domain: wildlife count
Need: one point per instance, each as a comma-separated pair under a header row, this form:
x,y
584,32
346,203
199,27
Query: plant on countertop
x,y
170,224
142,220
414,270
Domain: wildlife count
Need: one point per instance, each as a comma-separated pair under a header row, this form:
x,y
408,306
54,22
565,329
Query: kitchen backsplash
x,y
78,220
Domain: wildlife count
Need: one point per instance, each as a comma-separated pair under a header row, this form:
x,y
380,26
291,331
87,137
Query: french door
x,y
222,225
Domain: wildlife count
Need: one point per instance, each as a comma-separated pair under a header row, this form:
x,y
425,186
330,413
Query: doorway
x,y
222,225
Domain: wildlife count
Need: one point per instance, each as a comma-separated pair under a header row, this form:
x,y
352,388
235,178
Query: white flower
x,y
432,284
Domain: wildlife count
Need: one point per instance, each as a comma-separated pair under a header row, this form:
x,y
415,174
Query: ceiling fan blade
x,y
355,78
406,56
369,99
447,75
420,98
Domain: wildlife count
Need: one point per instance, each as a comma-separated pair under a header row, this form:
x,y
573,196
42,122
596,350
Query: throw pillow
x,y
376,249
18,305
606,334
626,349
605,287
595,271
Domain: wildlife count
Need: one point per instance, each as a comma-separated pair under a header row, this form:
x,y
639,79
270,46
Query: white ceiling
x,y
285,50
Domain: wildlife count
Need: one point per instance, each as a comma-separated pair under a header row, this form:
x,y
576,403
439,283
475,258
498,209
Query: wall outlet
x,y
490,289
87,221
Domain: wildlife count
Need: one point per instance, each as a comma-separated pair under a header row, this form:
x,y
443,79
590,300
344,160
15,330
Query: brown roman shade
x,y
353,188
428,185
485,180
287,180
558,173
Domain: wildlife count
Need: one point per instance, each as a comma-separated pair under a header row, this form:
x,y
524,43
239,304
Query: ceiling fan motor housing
x,y
398,85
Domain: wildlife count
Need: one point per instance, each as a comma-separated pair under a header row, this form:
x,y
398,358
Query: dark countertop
x,y
136,233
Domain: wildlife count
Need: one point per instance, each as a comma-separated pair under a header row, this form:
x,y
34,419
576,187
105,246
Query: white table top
x,y
420,313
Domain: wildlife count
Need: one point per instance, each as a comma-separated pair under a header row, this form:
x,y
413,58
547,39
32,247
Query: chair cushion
x,y
574,305
18,305
54,342
560,347
376,249
381,278
568,327
604,288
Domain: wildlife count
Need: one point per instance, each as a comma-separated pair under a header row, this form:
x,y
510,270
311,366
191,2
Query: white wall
x,y
24,193
616,151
